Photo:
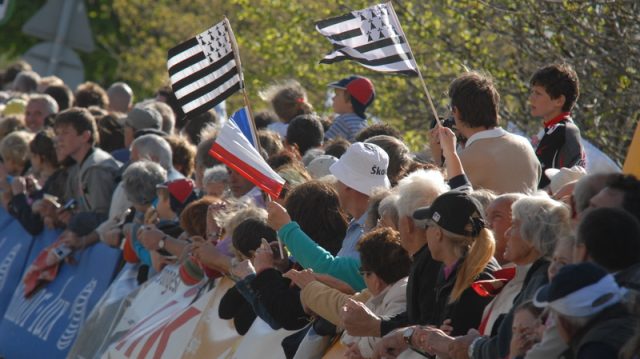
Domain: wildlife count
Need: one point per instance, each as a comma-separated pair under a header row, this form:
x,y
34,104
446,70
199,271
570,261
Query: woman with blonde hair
x,y
457,237
537,224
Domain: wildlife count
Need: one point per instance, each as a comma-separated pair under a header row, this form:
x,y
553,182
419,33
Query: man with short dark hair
x,y
304,132
610,237
492,158
62,94
92,177
91,94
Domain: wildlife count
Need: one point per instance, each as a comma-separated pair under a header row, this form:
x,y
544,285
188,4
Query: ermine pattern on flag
x,y
371,37
203,70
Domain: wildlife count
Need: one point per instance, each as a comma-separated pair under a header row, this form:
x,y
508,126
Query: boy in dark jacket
x,y
554,91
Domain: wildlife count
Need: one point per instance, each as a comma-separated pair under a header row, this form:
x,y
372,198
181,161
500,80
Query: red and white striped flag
x,y
234,150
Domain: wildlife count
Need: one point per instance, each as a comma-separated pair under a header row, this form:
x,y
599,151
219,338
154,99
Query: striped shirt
x,y
346,125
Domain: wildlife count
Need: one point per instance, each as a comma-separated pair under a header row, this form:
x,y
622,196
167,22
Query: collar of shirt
x,y
555,120
354,232
492,133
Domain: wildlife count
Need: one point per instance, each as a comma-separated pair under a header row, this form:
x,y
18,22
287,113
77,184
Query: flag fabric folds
x,y
234,150
243,121
203,70
371,37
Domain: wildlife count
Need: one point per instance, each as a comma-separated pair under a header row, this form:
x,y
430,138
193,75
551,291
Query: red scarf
x,y
492,287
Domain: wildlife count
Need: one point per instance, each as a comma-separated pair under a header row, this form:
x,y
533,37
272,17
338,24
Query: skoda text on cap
x,y
363,167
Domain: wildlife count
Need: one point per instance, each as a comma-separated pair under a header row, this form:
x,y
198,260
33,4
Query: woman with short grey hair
x,y
155,148
541,222
140,180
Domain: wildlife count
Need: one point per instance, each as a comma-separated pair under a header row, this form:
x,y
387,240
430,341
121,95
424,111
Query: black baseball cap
x,y
454,211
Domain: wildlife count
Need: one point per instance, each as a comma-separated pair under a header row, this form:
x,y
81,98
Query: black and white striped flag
x,y
203,70
372,37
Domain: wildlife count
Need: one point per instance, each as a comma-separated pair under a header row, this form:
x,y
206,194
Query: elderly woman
x,y
140,181
537,224
215,181
385,266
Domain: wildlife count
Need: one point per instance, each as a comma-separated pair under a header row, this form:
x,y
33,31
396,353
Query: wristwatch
x,y
407,334
161,242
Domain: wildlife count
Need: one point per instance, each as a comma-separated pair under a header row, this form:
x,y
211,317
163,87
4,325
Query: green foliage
x,y
507,39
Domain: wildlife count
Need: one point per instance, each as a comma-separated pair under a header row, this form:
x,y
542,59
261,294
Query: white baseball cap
x,y
363,167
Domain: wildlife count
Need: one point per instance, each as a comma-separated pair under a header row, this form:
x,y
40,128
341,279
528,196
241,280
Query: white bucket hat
x,y
363,167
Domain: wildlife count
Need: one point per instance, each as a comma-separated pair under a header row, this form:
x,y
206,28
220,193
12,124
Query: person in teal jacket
x,y
310,255
316,236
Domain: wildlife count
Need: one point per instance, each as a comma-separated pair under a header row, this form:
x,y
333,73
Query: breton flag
x,y
203,70
372,37
234,150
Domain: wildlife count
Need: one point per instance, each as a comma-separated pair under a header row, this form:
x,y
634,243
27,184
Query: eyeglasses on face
x,y
365,273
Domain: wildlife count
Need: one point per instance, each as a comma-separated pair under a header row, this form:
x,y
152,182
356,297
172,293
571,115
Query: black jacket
x,y
561,146
280,299
466,312
423,275
234,306
603,336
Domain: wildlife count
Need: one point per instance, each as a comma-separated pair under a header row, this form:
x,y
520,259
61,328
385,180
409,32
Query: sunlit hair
x,y
477,252
419,189
542,222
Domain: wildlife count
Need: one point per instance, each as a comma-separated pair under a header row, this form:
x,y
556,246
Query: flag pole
x,y
424,85
236,54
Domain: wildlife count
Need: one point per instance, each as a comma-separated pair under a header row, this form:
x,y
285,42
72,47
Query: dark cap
x,y
454,211
360,89
141,118
579,290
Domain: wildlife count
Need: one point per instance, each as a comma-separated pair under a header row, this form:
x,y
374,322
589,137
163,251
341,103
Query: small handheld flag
x,y
203,70
234,150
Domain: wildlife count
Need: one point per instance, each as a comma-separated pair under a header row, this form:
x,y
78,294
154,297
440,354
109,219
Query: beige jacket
x,y
326,301
500,161
390,302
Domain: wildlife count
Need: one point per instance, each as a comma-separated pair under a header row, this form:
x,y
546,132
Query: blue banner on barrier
x,y
46,324
15,247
